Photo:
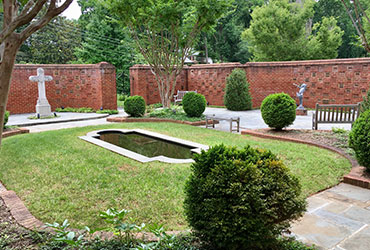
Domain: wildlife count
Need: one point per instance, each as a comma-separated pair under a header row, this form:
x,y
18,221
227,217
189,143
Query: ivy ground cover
x,y
60,176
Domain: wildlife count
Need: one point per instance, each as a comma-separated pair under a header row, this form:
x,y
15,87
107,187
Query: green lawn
x,y
60,176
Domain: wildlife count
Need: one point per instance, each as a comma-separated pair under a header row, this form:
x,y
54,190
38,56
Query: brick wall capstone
x,y
337,81
73,85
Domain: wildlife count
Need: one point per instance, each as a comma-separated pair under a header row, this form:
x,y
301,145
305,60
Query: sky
x,y
73,11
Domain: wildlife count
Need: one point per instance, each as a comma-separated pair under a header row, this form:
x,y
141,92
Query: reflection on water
x,y
146,145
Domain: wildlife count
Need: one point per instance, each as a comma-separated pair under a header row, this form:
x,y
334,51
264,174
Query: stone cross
x,y
42,107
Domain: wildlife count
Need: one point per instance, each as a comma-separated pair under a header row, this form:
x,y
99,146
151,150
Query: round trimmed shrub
x,y
278,110
237,96
194,104
241,198
359,139
6,117
135,106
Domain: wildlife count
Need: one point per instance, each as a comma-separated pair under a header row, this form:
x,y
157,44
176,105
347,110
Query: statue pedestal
x,y
43,108
301,111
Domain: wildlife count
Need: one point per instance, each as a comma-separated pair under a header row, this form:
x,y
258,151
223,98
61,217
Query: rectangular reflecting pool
x,y
146,145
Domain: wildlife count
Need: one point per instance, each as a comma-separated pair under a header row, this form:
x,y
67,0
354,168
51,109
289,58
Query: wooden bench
x,y
214,118
180,95
335,113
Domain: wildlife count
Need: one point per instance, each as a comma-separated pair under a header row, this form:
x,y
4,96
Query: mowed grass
x,y
60,176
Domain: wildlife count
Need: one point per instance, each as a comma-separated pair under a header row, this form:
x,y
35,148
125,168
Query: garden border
x,y
129,119
354,177
17,131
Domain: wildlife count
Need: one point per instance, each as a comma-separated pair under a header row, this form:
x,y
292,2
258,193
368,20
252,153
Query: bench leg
x,y
238,125
213,123
231,126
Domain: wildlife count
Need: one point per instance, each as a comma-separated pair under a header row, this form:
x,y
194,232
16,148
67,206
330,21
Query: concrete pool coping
x,y
92,138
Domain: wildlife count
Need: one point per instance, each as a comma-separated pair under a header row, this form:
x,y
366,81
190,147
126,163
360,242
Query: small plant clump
x,y
278,110
107,111
241,198
194,104
135,106
6,117
75,110
237,96
359,139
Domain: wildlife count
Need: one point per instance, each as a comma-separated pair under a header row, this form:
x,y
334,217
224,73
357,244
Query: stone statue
x,y
302,89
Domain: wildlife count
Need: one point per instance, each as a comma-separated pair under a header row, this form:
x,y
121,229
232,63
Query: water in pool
x,y
146,145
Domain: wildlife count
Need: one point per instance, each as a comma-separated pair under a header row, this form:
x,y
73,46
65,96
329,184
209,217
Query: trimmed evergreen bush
x,y
237,96
278,110
365,105
6,117
359,139
241,198
135,106
194,104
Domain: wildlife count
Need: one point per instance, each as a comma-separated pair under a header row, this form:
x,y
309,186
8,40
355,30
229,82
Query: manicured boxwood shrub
x,y
194,104
6,117
278,110
359,139
237,96
135,106
241,198
365,104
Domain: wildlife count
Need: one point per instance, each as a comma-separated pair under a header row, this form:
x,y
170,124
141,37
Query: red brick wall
x,y
73,85
329,81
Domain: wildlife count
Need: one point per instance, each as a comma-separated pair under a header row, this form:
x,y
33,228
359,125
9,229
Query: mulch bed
x,y
337,142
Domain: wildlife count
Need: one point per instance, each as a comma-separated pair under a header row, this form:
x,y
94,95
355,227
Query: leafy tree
x,y
105,40
335,8
17,14
224,41
54,45
165,31
279,31
360,19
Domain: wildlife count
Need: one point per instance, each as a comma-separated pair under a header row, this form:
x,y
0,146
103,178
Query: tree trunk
x,y
11,47
206,48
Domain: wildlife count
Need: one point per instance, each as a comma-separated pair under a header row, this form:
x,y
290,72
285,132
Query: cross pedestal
x,y
42,107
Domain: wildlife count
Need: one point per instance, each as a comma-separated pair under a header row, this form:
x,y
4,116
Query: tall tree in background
x,y
224,41
105,40
165,32
279,32
56,43
360,20
335,8
17,14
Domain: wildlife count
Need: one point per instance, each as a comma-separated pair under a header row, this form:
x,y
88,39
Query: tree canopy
x,y
282,31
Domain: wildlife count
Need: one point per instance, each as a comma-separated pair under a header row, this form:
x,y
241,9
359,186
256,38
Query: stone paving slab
x,y
336,219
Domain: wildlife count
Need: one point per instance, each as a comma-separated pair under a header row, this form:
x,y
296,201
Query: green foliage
x,y
107,111
194,104
105,40
278,110
278,32
174,113
241,198
75,110
365,105
359,139
237,96
135,106
335,8
6,117
121,97
54,44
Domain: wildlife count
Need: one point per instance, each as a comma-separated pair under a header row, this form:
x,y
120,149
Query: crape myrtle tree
x,y
165,32
21,20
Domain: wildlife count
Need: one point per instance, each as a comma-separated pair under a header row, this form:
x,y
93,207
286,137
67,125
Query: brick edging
x,y
127,119
15,132
353,178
